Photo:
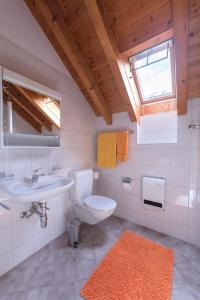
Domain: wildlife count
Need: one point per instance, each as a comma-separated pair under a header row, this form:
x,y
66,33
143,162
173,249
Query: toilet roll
x,y
127,185
96,175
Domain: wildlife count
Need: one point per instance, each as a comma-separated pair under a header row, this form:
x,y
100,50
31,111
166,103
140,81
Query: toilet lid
x,y
99,202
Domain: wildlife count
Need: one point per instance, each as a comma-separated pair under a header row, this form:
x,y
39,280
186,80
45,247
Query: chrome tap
x,y
36,175
6,177
56,167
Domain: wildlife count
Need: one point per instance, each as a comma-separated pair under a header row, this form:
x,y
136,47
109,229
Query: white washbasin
x,y
26,191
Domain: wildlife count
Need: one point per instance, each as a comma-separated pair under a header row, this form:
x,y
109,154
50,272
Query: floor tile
x,y
187,293
58,272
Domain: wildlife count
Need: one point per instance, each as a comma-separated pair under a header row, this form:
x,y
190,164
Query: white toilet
x,y
89,208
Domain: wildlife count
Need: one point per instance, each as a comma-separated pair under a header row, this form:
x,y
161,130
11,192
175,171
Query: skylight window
x,y
153,70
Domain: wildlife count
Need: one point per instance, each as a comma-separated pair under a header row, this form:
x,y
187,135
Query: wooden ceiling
x,y
93,39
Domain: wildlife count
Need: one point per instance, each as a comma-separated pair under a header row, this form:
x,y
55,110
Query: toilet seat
x,y
99,203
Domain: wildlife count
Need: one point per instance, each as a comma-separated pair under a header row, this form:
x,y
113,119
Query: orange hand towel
x,y
122,146
106,150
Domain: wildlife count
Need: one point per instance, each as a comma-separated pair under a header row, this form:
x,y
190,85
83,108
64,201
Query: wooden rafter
x,y
27,105
35,100
113,57
134,24
56,24
23,113
180,17
46,105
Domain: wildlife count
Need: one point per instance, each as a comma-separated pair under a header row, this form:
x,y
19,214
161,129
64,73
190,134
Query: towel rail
x,y
130,131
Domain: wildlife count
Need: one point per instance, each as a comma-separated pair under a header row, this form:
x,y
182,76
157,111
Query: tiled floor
x,y
58,271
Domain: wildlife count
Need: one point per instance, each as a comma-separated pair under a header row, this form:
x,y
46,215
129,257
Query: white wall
x,y
19,124
19,26
157,128
20,238
178,163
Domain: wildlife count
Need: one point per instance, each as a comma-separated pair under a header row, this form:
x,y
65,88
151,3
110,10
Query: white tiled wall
x,y
160,127
178,163
20,238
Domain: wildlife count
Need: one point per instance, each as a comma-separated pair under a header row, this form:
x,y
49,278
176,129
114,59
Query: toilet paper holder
x,y
126,179
127,183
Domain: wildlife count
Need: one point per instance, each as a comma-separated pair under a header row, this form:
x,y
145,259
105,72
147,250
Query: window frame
x,y
173,78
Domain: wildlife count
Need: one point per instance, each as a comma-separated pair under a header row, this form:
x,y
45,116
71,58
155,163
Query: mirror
x,y
30,118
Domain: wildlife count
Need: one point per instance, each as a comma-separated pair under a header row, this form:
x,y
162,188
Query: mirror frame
x,y
13,77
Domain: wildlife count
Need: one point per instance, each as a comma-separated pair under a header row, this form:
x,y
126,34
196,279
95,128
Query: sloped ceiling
x,y
129,23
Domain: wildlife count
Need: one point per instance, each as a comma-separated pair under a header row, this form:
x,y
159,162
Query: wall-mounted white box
x,y
153,191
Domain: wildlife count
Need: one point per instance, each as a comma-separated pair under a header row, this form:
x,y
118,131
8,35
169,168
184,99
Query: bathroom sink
x,y
26,191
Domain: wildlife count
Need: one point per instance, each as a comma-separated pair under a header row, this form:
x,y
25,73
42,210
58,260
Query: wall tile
x,y
180,157
162,172
178,196
194,199
20,161
6,262
21,237
22,251
158,128
183,138
147,156
6,240
193,236
195,138
134,156
178,163
194,179
179,231
4,160
179,215
22,231
5,217
134,216
179,177
194,218
40,159
147,171
162,156
195,158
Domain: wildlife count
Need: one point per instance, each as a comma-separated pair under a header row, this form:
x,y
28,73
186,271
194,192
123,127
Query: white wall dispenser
x,y
153,191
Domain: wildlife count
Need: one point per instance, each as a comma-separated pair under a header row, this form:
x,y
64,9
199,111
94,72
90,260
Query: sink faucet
x,y
56,167
36,175
4,176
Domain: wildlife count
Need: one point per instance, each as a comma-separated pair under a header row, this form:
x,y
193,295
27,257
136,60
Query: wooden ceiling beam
x,y
56,24
33,98
180,19
112,54
27,104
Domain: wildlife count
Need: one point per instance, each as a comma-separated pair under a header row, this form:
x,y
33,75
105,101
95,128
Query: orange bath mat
x,y
135,268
